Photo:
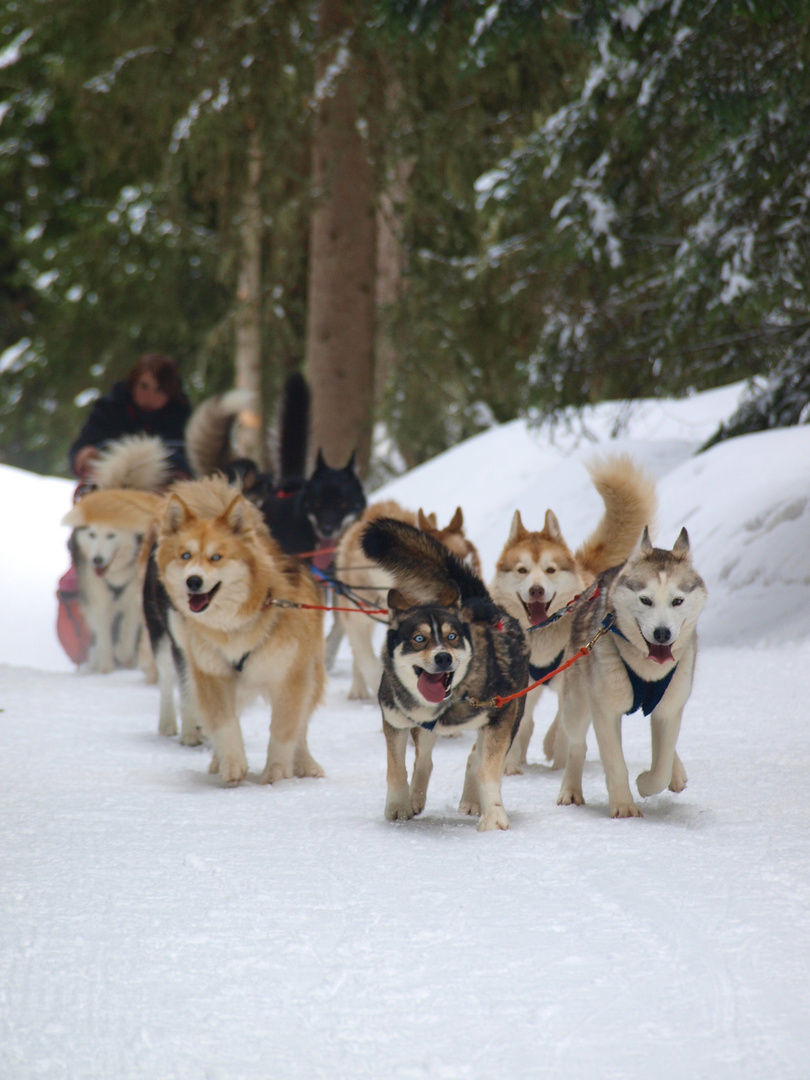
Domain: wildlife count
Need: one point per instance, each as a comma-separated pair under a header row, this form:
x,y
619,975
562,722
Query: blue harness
x,y
646,695
537,673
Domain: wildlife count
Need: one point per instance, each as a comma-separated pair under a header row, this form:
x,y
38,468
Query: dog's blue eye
x,y
452,637
677,601
186,555
215,558
418,638
646,601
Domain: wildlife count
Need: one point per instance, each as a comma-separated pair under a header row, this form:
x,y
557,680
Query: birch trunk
x,y
249,426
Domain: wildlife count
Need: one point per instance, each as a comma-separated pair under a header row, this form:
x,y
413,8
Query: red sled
x,y
71,629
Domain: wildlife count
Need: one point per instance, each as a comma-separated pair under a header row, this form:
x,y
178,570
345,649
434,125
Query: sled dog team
x,y
232,612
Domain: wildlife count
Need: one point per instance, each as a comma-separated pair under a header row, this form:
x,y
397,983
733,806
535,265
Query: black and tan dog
x,y
449,652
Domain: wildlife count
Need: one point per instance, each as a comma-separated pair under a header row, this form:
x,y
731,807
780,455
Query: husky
x,y
369,585
230,611
647,611
108,529
537,576
449,651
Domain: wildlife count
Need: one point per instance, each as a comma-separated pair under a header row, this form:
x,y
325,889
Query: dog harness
x,y
646,695
537,673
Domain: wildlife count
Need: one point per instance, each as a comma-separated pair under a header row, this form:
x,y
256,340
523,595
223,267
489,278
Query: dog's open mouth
x,y
659,653
100,571
199,601
537,611
433,686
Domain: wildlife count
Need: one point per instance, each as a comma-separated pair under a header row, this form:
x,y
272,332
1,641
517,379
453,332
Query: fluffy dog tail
x,y
631,502
134,461
294,430
421,566
208,431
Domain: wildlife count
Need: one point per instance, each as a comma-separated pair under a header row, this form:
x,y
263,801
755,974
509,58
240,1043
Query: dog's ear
x,y
235,516
176,515
351,463
426,522
644,546
551,527
449,596
516,530
456,521
74,517
681,547
319,460
398,601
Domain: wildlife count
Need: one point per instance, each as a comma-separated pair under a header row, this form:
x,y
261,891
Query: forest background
x,y
446,213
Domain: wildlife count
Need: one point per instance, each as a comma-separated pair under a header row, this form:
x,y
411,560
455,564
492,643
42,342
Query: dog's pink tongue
x,y
660,654
538,612
100,571
198,601
323,556
431,687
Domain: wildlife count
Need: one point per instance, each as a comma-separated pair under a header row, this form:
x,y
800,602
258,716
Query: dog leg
x,y
470,803
678,776
99,619
291,702
333,640
608,728
190,722
573,718
367,671
398,798
494,740
126,651
167,717
555,743
424,741
217,701
518,751
664,731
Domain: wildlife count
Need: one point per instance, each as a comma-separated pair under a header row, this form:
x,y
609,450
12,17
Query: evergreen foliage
x,y
603,201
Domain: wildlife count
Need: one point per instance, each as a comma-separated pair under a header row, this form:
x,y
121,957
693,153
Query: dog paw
x,y
274,771
397,811
678,778
306,765
418,803
569,797
231,772
625,810
647,785
512,768
466,806
496,818
191,738
167,726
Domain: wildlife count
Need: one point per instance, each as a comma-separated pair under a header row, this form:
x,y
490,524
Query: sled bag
x,y
71,629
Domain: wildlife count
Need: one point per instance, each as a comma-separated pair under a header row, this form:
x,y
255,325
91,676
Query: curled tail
x,y
631,502
294,430
208,431
133,461
420,565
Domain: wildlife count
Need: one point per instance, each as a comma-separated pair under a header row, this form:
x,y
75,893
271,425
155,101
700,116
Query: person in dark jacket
x,y
150,401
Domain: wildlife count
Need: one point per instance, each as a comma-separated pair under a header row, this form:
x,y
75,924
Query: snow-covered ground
x,y
155,925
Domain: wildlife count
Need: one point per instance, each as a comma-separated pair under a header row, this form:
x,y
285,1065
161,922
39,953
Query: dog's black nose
x,y
442,660
98,560
194,583
662,634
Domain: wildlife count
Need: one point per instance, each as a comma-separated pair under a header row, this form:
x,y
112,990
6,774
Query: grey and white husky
x,y
648,608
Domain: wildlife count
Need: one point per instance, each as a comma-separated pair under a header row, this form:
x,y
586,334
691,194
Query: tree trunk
x,y
339,357
248,375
